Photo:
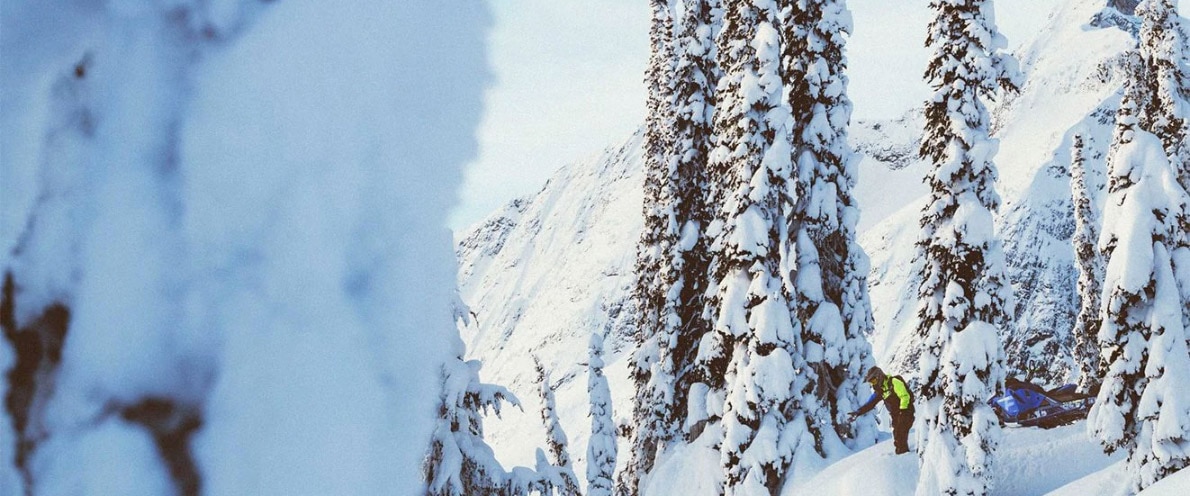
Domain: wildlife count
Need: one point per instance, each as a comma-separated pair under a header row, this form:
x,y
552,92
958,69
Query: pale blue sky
x,y
568,84
569,81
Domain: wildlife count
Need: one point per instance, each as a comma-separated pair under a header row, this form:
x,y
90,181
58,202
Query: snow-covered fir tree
x,y
713,353
460,462
1137,338
601,447
1162,45
1085,187
653,384
832,294
1143,406
562,470
751,244
686,257
964,294
1164,49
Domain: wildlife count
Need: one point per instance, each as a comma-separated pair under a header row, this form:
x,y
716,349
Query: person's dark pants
x,y
901,423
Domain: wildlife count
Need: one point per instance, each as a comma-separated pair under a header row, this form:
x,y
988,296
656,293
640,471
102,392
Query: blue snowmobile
x,y
1027,404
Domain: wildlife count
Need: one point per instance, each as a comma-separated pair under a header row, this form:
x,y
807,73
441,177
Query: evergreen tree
x,y
1085,185
601,448
1143,406
559,452
460,462
1164,51
832,296
686,259
964,291
653,394
711,360
1165,54
751,247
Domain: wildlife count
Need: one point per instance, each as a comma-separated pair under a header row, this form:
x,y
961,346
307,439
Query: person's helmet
x,y
875,375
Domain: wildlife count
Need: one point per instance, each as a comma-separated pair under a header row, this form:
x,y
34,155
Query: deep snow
x,y
1030,461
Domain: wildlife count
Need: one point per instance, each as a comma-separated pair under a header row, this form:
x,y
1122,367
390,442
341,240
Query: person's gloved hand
x,y
851,417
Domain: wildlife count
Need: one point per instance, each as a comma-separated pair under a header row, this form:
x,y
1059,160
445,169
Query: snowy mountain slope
x,y
1038,230
890,172
543,273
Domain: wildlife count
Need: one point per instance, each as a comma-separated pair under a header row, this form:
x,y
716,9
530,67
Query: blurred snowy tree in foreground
x,y
222,244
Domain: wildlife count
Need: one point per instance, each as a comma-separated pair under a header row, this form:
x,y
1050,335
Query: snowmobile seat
x,y
1066,393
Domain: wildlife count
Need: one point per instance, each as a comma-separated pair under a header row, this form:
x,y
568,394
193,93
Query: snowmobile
x,y
1027,405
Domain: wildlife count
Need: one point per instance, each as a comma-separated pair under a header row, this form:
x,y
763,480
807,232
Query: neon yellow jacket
x,y
895,394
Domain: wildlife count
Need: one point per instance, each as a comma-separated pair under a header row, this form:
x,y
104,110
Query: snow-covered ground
x,y
1030,461
1064,461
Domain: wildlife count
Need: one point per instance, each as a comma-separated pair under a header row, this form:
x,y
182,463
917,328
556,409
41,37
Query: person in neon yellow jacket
x,y
897,399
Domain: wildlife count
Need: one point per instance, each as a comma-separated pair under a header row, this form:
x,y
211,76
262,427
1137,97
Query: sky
x,y
568,82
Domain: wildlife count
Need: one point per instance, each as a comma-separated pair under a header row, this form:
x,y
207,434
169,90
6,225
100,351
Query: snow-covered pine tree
x,y
1162,44
555,436
965,295
713,353
832,295
460,462
711,361
601,448
750,245
1164,51
1143,406
685,266
1085,187
649,294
